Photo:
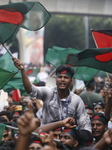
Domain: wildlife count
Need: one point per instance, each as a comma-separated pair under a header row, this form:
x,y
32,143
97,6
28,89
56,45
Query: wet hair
x,y
63,68
6,113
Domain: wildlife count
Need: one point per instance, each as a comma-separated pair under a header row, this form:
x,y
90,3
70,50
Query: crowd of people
x,y
55,118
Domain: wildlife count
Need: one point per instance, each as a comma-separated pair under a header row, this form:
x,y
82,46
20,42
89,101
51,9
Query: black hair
x,y
8,145
6,113
65,67
3,120
89,83
61,146
87,137
11,123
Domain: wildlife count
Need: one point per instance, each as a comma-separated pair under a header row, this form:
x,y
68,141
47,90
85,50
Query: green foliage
x,y
69,31
65,31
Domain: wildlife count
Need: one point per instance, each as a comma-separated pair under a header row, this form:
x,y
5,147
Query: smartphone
x,y
18,108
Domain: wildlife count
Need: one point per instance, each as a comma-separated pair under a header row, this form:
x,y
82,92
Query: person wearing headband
x,y
99,124
98,107
58,102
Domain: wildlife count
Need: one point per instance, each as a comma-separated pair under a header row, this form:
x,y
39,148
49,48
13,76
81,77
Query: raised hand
x,y
18,63
69,122
27,123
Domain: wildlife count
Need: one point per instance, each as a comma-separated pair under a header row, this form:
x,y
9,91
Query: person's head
x,y
89,111
7,115
35,145
7,135
98,107
57,133
3,120
86,136
90,84
64,76
6,108
99,125
16,115
70,137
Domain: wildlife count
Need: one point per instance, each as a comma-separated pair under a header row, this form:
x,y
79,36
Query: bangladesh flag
x,y
102,38
14,83
98,58
17,83
7,69
32,72
28,15
57,56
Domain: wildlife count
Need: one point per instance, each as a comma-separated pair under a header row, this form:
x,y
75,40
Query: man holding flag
x,y
59,102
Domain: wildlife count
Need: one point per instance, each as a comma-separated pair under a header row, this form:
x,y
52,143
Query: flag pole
x,y
11,127
10,53
7,50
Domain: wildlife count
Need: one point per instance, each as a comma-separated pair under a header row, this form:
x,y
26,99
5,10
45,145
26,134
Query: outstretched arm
x,y
27,123
68,123
26,82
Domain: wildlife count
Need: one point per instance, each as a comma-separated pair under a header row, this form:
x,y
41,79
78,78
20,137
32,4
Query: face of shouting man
x,y
63,81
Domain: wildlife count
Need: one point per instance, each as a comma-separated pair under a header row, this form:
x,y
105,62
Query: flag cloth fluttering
x,y
98,58
15,83
16,95
28,15
7,69
57,56
102,38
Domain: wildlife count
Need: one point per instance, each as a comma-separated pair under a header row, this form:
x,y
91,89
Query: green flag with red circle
x,y
28,15
98,58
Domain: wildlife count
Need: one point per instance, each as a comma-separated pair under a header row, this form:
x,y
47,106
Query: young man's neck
x,y
63,93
